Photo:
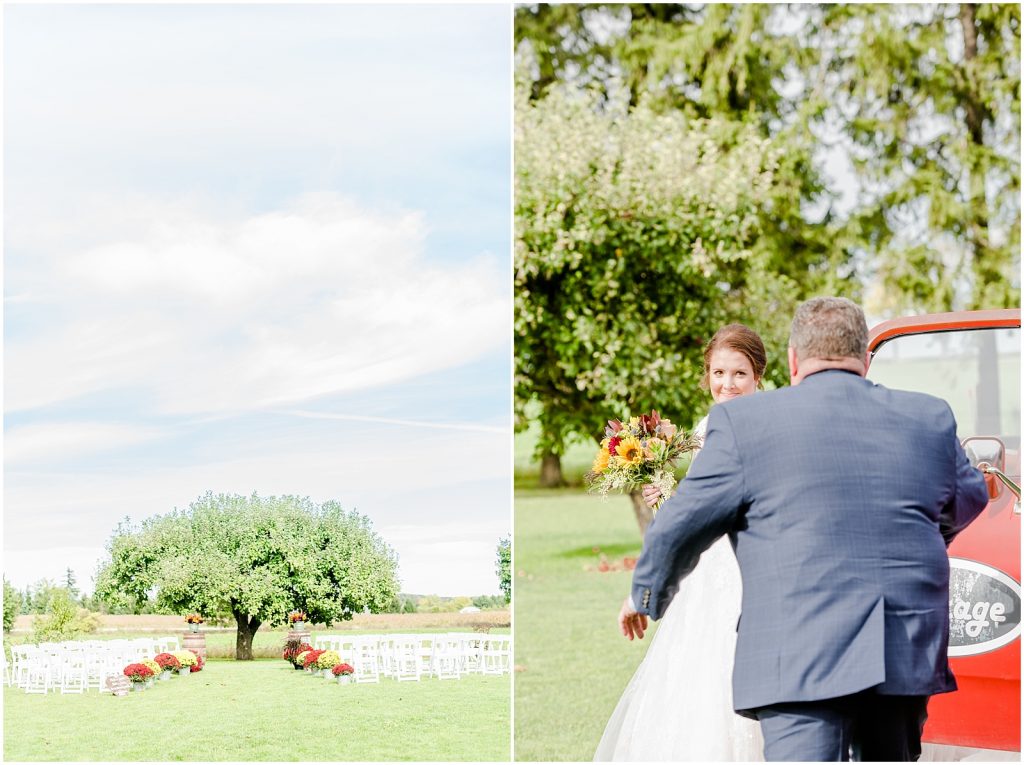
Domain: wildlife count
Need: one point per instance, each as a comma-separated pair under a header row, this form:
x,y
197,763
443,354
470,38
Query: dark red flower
x,y
612,444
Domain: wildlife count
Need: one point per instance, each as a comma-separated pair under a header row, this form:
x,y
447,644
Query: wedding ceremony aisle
x,y
263,710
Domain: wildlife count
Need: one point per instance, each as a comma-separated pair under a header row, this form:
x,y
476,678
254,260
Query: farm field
x,y
265,711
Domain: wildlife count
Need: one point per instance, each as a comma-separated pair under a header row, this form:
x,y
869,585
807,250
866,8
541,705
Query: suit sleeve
x,y
706,506
969,497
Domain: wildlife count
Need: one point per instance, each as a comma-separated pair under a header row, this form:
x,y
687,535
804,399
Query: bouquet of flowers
x,y
342,669
296,616
194,619
641,451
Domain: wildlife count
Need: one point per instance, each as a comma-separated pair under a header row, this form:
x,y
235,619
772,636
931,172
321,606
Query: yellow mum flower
x,y
629,451
601,460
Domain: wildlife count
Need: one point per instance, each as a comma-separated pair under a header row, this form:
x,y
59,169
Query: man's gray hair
x,y
829,328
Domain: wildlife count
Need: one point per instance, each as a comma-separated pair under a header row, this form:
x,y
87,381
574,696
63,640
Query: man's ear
x,y
791,356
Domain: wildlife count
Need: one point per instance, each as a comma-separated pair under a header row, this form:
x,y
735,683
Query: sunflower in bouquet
x,y
640,451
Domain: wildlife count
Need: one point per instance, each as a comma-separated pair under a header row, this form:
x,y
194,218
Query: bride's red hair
x,y
742,339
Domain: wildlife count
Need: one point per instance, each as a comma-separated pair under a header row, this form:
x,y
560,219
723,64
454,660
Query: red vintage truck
x,y
972,360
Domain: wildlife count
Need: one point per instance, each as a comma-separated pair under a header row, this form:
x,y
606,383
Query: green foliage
x,y
638,234
69,583
63,619
929,96
504,569
12,605
252,559
924,98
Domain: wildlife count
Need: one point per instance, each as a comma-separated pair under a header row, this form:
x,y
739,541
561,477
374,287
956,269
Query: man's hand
x,y
630,622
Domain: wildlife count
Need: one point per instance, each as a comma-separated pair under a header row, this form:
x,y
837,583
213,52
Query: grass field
x,y
264,710
571,662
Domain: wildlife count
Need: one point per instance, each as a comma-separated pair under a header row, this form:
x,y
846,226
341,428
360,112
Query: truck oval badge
x,y
984,608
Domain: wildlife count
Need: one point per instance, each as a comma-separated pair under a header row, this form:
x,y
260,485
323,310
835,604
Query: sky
x,y
258,248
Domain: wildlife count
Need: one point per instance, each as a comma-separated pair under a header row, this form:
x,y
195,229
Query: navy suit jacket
x,y
839,497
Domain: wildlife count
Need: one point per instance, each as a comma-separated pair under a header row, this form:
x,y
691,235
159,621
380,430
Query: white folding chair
x,y
74,670
496,655
406,658
365,664
446,658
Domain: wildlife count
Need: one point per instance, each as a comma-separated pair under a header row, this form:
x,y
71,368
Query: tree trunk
x,y
246,631
644,514
551,471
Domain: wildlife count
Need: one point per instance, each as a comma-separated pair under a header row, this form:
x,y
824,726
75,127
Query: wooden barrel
x,y
195,642
304,635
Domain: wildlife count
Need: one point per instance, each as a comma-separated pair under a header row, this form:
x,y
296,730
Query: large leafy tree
x,y
716,71
638,234
252,559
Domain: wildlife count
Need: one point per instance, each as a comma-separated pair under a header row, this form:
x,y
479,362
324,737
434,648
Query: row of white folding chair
x,y
361,651
497,655
74,666
409,656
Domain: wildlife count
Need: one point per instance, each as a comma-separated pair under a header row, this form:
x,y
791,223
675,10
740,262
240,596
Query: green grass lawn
x,y
265,710
571,662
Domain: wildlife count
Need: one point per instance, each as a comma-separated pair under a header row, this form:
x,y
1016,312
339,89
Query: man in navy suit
x,y
839,497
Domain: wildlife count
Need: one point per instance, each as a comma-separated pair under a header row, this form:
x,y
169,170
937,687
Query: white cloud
x,y
322,297
54,441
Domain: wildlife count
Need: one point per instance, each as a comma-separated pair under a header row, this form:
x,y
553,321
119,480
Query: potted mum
x,y
299,656
138,674
194,620
292,648
326,661
187,660
155,669
168,663
310,661
343,672
297,620
200,663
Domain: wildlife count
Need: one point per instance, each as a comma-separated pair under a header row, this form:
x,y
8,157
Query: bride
x,y
678,706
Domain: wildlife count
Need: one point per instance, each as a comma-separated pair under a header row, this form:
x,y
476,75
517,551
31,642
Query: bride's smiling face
x,y
730,375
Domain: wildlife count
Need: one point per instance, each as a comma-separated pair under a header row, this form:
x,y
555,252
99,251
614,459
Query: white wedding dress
x,y
678,706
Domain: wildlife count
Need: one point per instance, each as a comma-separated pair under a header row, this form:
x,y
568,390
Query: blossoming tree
x,y
252,559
